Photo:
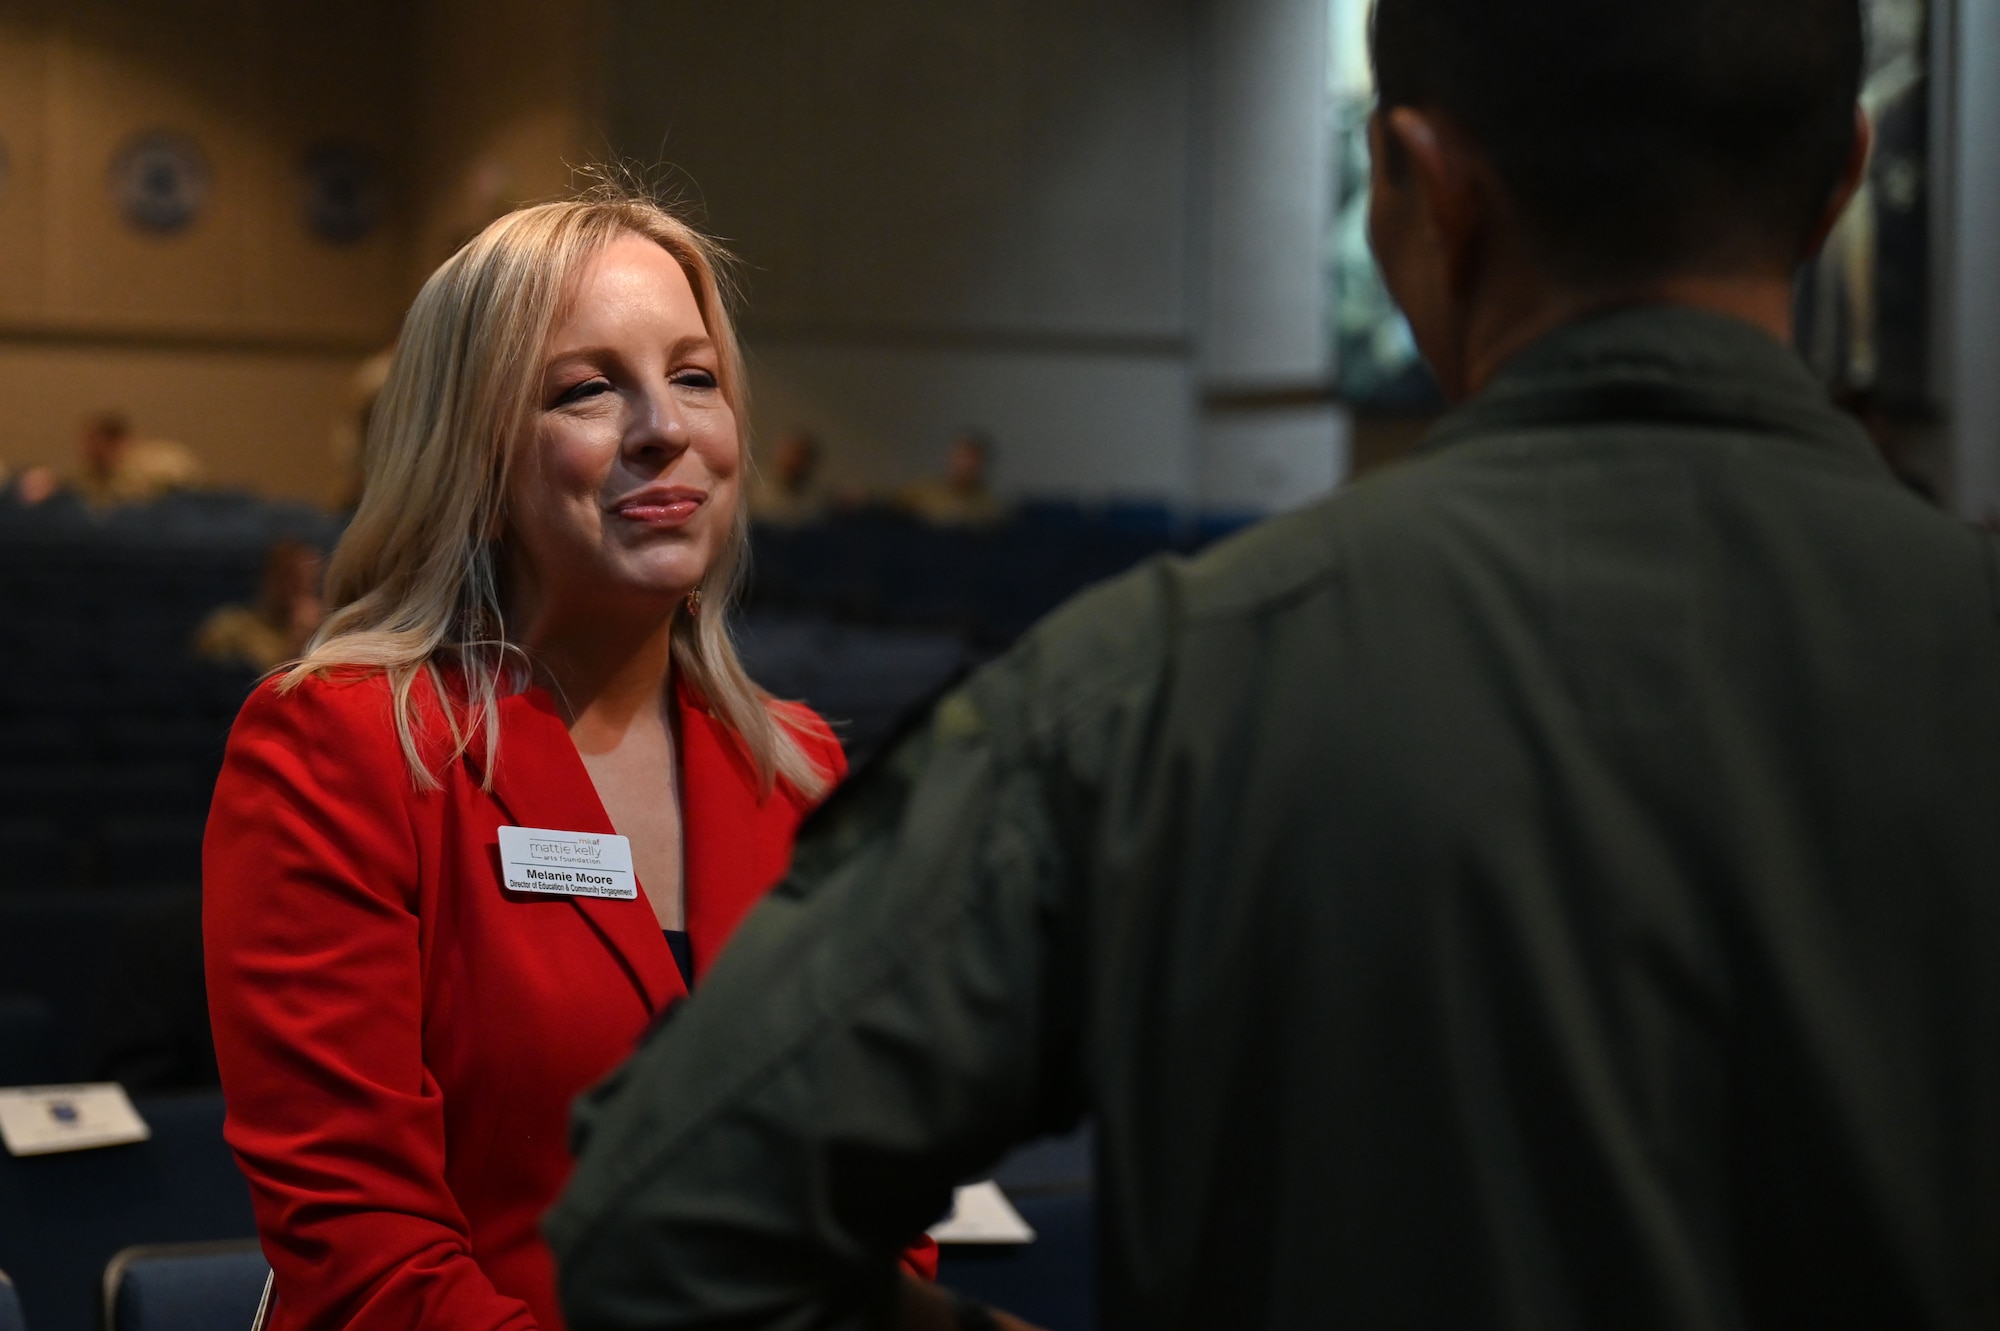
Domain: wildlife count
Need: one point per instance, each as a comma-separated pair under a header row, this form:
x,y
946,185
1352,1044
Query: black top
x,y
677,942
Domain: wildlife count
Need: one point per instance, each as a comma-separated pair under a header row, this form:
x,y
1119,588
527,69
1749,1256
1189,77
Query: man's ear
x,y
1442,169
1850,181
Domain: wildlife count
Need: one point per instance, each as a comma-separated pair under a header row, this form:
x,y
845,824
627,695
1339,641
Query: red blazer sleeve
x,y
310,882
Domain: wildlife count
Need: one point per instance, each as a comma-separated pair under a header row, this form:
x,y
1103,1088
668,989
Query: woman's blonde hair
x,y
415,581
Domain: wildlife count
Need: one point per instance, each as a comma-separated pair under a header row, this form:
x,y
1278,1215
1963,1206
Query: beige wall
x,y
240,334
1013,168
1069,222
255,85
506,105
949,215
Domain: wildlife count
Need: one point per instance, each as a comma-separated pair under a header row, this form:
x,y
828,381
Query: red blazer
x,y
400,1037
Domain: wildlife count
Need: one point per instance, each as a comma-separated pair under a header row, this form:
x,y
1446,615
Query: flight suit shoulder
x,y
1268,563
1128,625
1101,641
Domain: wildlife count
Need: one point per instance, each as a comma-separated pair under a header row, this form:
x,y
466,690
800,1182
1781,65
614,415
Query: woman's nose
x,y
658,425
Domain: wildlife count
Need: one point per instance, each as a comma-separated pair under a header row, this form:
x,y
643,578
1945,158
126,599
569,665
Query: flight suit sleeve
x,y
893,1017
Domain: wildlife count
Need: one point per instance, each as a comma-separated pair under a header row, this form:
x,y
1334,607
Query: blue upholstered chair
x,y
62,1217
10,1307
184,1287
1052,1282
55,946
27,1040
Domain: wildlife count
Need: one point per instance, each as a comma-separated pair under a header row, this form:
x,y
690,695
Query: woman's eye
x,y
694,379
589,388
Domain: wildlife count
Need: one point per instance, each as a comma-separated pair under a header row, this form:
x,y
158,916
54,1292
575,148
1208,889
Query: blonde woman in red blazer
x,y
529,633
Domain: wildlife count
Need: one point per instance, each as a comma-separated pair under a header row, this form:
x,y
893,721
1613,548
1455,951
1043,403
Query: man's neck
x,y
1508,327
1761,301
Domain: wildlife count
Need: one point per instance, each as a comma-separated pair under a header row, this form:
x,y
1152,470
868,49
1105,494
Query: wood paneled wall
x,y
255,85
239,333
984,167
1065,221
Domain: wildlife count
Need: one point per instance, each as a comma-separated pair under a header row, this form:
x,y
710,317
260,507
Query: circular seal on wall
x,y
160,181
344,194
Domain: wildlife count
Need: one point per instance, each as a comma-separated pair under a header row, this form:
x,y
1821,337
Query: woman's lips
x,y
661,508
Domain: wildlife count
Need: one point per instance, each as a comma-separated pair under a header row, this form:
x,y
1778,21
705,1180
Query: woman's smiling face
x,y
627,488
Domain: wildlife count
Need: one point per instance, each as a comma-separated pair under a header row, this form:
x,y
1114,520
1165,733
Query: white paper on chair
x,y
40,1120
981,1213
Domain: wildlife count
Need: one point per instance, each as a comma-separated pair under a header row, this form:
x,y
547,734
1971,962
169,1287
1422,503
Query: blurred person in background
x,y
119,467
790,491
528,647
1554,882
116,467
34,485
277,628
959,497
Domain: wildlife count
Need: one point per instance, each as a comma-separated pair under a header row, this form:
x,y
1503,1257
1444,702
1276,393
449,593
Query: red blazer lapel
x,y
737,842
540,781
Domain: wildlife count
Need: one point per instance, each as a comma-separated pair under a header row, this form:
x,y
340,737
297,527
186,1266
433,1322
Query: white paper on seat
x,y
981,1213
40,1120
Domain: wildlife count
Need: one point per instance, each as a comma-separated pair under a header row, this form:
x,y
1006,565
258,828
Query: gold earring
x,y
694,603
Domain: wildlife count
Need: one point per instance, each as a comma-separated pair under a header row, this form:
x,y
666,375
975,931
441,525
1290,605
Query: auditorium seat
x,y
151,1028
55,791
44,854
111,734
10,1306
103,824
1050,1164
63,1217
38,739
985,584
185,1286
861,678
1051,1282
61,947
152,850
149,736
27,1040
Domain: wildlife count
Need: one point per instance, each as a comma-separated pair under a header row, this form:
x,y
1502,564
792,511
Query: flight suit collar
x,y
1661,364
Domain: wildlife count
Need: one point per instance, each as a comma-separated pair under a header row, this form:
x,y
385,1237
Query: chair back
x,y
1051,1282
62,1217
185,1286
10,1307
27,1040
56,947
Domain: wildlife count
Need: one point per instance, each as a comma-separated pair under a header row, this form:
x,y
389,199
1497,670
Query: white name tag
x,y
569,864
981,1213
40,1120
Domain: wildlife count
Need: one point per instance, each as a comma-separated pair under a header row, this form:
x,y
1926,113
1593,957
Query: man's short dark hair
x,y
1642,138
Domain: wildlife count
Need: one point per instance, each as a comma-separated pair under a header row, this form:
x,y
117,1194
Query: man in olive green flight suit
x,y
1553,883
